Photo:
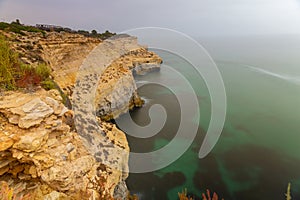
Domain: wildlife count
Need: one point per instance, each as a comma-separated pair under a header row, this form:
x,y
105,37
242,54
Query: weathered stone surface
x,y
14,100
104,150
49,154
35,112
145,68
57,107
24,110
32,141
66,52
113,100
46,155
63,51
120,190
5,142
117,91
3,170
55,196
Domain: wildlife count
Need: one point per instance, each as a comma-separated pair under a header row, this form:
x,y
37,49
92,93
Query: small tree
x,y
94,32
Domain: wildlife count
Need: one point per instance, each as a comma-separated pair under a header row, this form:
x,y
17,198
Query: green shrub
x,y
24,68
64,98
33,76
106,35
43,71
14,74
3,25
48,84
16,27
94,34
8,63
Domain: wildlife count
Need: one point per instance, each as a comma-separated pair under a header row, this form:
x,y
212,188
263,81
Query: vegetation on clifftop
x,y
15,74
8,63
18,28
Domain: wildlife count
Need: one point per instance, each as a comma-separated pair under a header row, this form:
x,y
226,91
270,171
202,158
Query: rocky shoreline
x,y
41,152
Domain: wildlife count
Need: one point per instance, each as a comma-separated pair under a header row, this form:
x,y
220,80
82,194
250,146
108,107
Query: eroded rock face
x,y
44,157
116,96
117,91
40,150
65,52
94,137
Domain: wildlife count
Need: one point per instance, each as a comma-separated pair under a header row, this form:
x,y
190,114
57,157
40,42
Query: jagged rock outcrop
x,y
65,52
117,91
94,137
41,155
41,152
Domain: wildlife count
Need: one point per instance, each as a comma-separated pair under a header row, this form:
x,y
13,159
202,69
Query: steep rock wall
x,y
42,155
65,52
117,91
40,151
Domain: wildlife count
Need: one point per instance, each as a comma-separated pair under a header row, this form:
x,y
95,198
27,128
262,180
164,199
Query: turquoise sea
x,y
258,153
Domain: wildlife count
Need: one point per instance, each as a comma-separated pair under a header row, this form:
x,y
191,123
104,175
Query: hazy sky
x,y
194,17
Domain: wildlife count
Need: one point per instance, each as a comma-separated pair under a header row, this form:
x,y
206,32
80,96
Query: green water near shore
x,y
257,154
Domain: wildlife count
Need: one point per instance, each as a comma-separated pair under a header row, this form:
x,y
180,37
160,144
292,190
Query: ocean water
x,y
257,154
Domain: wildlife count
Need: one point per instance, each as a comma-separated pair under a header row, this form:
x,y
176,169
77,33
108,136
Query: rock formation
x,y
65,52
40,154
112,100
43,151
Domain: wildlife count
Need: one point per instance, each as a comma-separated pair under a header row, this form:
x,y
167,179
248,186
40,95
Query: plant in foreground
x,y
208,197
288,192
183,195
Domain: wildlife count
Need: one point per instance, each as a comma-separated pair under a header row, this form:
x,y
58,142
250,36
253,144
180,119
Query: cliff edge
x,y
43,153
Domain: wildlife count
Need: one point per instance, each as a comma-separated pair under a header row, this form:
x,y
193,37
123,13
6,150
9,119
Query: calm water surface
x,y
258,152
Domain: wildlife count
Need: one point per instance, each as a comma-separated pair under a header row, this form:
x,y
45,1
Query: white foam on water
x,y
141,82
146,100
289,78
286,77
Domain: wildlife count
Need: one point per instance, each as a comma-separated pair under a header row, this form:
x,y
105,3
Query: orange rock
x,y
5,142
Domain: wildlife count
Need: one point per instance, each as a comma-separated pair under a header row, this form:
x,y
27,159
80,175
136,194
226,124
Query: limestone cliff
x,y
112,99
65,52
41,155
41,152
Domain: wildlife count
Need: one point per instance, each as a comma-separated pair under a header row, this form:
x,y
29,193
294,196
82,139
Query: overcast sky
x,y
193,17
